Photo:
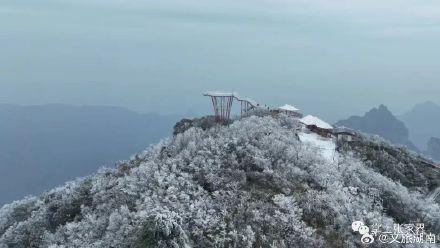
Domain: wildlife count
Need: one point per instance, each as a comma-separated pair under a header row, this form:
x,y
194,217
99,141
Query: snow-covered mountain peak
x,y
257,182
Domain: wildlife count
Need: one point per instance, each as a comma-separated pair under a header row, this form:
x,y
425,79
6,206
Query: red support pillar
x,y
222,105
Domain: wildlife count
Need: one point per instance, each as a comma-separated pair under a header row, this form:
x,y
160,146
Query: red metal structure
x,y
246,104
222,103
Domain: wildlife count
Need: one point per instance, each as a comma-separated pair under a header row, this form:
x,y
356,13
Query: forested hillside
x,y
256,182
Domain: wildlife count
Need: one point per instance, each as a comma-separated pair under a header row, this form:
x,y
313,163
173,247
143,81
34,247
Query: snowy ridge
x,y
258,182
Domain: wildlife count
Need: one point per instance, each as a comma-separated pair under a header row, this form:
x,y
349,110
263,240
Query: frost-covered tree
x,y
252,183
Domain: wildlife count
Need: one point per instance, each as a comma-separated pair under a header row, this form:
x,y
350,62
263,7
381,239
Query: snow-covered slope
x,y
324,146
258,182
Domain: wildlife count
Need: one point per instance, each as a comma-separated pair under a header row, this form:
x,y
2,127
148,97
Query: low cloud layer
x,y
331,58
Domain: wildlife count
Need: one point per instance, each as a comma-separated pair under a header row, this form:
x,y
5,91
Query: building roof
x,y
288,107
313,120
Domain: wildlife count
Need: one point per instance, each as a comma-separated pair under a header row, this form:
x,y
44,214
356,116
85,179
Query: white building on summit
x,y
288,107
289,110
317,125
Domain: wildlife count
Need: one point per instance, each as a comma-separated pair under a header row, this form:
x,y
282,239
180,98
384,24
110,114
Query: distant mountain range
x,y
382,122
44,146
423,122
420,125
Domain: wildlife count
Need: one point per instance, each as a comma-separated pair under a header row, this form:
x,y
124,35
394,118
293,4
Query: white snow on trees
x,y
249,184
325,146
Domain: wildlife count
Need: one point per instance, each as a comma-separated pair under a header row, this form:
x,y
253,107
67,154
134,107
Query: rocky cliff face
x,y
254,183
382,122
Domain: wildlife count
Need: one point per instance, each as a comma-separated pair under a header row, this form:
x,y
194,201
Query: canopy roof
x,y
288,107
313,120
218,93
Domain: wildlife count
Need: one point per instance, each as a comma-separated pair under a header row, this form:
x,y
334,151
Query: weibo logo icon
x,y
359,226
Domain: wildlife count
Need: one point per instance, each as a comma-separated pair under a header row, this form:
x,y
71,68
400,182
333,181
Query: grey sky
x,y
330,58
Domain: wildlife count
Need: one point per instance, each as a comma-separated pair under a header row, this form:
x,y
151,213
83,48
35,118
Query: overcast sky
x,y
329,58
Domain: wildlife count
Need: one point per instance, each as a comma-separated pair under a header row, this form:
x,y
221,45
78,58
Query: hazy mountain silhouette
x,y
423,122
43,146
434,148
382,122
